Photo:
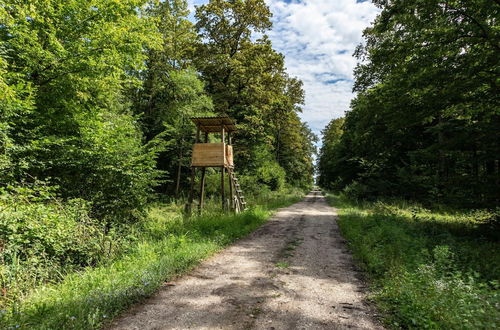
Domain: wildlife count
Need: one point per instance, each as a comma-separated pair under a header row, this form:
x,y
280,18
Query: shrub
x,y
356,190
42,238
272,175
429,269
106,165
438,295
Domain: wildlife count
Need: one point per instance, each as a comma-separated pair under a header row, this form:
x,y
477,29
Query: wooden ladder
x,y
239,204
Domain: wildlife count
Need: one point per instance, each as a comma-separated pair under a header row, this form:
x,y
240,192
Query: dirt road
x,y
292,273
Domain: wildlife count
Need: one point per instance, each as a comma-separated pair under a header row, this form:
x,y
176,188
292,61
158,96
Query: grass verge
x,y
166,246
428,269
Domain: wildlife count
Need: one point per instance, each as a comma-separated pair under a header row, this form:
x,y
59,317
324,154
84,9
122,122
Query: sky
x,y
318,38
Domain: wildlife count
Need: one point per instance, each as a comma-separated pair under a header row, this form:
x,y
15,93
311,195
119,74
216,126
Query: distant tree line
x,y
425,122
96,95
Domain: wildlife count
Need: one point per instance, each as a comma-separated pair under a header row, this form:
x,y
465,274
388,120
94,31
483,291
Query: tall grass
x,y
164,245
428,269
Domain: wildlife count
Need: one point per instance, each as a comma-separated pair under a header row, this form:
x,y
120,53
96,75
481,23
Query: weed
x,y
429,269
290,247
282,264
162,246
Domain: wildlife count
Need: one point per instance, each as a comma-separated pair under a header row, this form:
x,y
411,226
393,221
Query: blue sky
x,y
318,38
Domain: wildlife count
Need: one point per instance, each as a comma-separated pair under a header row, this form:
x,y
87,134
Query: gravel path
x,y
292,273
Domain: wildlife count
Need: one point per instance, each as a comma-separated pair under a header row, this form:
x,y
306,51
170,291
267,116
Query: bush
x,y
106,165
272,175
42,238
356,190
166,245
438,295
429,269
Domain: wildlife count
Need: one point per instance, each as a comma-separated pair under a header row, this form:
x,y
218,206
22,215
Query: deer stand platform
x,y
218,155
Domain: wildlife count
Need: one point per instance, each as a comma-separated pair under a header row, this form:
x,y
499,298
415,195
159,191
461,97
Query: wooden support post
x,y
191,191
223,195
193,174
202,189
202,183
222,187
231,188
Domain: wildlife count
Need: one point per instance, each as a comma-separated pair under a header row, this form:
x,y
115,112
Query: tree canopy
x,y
247,80
96,97
424,123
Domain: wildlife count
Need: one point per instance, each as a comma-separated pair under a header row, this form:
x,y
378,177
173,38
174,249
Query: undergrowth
x,y
164,245
428,269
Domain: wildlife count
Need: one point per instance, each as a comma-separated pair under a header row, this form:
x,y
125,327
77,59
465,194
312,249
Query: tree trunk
x,y
179,169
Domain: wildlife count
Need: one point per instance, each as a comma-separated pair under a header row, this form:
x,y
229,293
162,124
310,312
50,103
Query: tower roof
x,y
214,124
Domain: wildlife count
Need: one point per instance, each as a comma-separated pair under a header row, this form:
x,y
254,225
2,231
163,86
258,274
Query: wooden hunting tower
x,y
218,155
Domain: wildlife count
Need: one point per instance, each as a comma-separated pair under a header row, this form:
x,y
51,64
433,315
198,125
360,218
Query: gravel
x,y
294,272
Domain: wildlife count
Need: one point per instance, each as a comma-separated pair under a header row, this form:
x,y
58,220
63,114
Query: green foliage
x,y
272,175
247,80
437,295
42,238
428,269
329,153
171,92
107,165
74,58
282,264
182,96
427,107
166,245
95,100
15,100
294,149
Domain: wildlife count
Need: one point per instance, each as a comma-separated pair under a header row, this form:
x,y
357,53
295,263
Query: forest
x,y
425,120
414,164
96,137
95,133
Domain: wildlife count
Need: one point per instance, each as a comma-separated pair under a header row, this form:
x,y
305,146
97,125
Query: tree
x,y
15,100
427,103
171,91
329,152
69,61
247,80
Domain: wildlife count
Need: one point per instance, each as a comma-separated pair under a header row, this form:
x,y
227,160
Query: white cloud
x,y
318,38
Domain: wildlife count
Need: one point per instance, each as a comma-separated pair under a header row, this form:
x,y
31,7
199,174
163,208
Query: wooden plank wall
x,y
229,156
208,155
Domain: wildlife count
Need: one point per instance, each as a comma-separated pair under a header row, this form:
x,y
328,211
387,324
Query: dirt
x,y
295,272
